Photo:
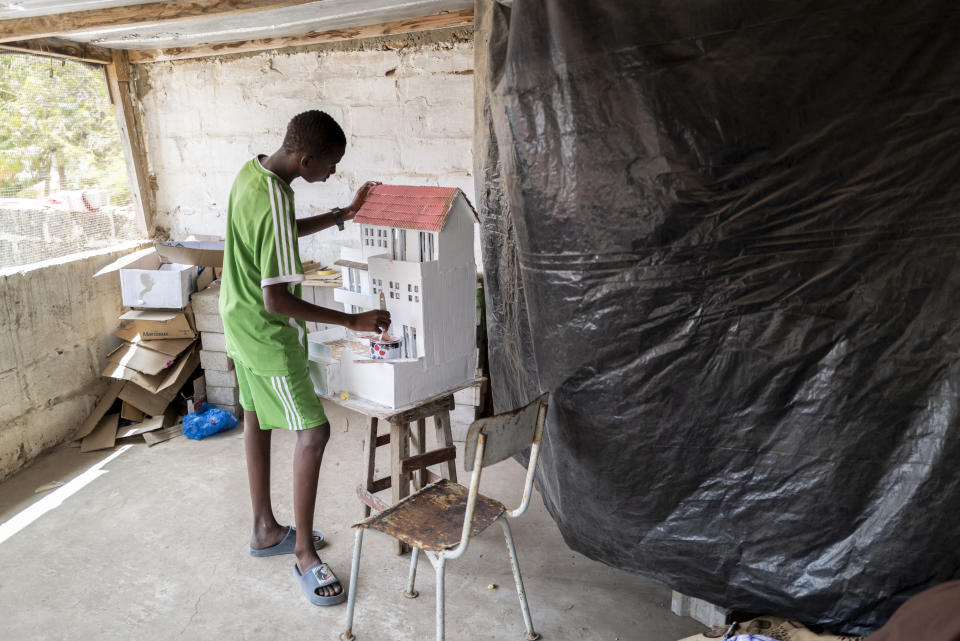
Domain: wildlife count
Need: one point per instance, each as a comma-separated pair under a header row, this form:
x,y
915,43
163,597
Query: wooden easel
x,y
405,467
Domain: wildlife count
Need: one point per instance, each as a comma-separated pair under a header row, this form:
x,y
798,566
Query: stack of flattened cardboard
x,y
158,353
221,377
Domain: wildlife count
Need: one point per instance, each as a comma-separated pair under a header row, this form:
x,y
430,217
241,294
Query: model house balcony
x,y
354,297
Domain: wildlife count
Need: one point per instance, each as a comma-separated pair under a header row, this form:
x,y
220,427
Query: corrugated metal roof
x,y
273,23
31,8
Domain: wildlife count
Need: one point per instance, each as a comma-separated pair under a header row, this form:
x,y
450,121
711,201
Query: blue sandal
x,y
286,544
319,576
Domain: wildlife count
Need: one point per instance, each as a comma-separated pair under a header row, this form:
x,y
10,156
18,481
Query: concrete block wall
x,y
33,235
405,104
56,325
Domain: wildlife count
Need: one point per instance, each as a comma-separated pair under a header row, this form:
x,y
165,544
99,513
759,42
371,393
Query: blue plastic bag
x,y
208,421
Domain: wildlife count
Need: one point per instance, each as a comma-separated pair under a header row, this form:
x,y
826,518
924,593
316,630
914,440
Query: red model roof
x,y
407,207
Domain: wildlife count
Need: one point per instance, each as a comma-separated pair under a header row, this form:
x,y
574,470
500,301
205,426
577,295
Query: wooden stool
x,y
405,467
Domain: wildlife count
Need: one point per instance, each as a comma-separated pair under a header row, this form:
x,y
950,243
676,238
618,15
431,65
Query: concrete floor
x,y
153,545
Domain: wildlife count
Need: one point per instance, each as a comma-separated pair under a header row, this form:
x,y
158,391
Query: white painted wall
x,y
56,325
407,113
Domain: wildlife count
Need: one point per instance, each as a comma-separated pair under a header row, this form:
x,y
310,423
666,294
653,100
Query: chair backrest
x,y
506,434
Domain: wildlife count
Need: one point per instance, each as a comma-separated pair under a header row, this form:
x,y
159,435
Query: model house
x,y
417,250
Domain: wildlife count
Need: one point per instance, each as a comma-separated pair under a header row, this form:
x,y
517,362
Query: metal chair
x,y
440,518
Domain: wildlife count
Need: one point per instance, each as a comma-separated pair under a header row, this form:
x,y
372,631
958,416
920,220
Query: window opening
x,y
61,162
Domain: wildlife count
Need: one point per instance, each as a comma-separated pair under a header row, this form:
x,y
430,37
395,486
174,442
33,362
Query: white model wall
x,y
406,106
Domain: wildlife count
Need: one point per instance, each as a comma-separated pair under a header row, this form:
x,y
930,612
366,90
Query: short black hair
x,y
314,132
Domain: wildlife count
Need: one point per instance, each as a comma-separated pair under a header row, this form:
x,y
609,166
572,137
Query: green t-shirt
x,y
261,250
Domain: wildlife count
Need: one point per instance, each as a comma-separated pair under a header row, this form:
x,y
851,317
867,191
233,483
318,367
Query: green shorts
x,y
281,402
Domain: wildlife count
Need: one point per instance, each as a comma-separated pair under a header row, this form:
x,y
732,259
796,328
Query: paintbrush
x,y
383,308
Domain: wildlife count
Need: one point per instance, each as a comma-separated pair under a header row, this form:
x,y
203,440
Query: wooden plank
x,y
421,461
118,83
380,484
424,23
58,24
400,485
420,479
441,423
369,460
383,439
57,48
437,406
370,500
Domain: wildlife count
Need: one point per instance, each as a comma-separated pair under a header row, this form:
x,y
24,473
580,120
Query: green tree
x,y
55,115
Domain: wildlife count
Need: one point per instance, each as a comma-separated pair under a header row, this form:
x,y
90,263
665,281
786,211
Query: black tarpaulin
x,y
724,236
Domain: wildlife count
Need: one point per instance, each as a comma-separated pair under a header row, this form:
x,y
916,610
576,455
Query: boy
x,y
260,305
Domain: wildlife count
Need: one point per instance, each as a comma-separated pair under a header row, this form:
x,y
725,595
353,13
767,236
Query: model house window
x,y
353,278
409,342
416,299
416,288
399,244
426,246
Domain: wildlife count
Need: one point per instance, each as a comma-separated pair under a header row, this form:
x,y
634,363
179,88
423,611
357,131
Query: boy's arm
x,y
313,224
278,300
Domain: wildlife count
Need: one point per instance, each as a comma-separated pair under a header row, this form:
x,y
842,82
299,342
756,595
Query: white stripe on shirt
x,y
288,237
281,270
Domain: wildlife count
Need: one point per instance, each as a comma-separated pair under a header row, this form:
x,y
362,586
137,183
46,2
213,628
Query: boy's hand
x,y
357,203
373,321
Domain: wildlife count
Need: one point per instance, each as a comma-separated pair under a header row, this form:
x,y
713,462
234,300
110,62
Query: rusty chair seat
x,y
439,520
432,519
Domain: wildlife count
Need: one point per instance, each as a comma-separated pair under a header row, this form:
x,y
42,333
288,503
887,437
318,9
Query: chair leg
x,y
440,613
347,634
524,606
410,593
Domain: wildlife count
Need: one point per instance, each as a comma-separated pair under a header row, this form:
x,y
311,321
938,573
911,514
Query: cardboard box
x,y
103,406
192,252
146,281
170,346
130,412
199,394
140,358
154,325
151,382
155,403
165,275
103,436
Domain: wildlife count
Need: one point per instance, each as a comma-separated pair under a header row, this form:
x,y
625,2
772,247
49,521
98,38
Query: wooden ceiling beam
x,y
61,24
438,21
57,48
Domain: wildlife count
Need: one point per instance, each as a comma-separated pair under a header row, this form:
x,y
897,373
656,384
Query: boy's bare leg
x,y
306,470
266,530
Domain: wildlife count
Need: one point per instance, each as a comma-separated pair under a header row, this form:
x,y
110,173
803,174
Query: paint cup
x,y
385,348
